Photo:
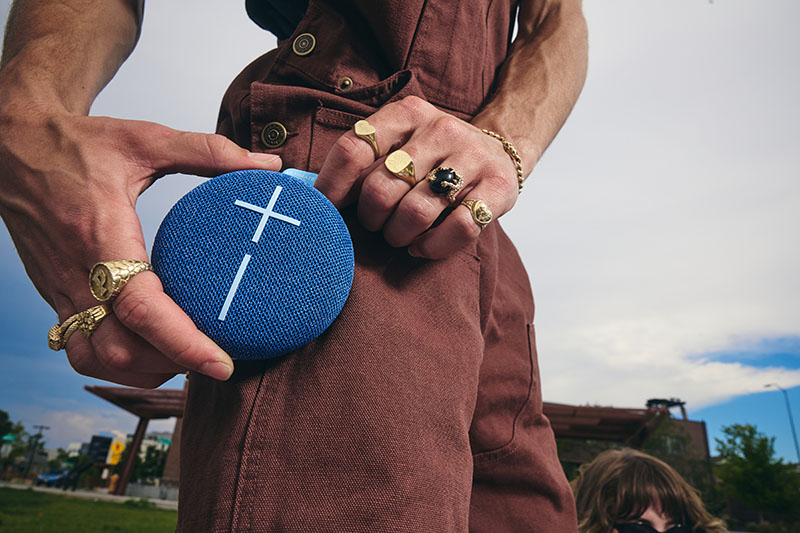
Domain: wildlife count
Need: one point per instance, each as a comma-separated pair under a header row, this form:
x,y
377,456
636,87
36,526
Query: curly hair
x,y
622,484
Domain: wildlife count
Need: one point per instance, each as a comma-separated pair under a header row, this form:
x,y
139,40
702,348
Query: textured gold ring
x,y
400,164
86,321
366,131
480,212
107,279
445,180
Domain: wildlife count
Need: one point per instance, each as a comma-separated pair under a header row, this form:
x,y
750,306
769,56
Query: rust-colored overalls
x,y
419,409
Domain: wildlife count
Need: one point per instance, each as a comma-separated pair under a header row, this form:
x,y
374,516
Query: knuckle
x,y
414,105
416,212
466,228
115,358
219,148
448,126
499,182
183,355
133,309
217,143
82,362
376,193
392,240
350,148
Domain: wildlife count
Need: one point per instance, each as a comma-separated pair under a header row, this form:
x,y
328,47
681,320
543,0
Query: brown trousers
x,y
419,409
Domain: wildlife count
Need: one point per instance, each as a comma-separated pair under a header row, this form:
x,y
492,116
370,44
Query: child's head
x,y
622,486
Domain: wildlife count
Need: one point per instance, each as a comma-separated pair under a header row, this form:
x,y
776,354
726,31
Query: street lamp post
x,y
791,419
33,444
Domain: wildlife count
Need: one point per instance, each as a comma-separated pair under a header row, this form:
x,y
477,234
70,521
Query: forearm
x,y
63,53
541,78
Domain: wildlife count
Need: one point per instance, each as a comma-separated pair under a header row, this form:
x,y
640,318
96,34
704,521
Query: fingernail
x,y
217,370
263,159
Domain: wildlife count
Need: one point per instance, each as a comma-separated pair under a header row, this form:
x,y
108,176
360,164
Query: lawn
x,y
31,512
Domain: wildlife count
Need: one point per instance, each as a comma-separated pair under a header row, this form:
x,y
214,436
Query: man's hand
x,y
405,214
68,189
535,90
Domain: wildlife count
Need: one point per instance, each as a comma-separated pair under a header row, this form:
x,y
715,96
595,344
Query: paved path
x,y
96,495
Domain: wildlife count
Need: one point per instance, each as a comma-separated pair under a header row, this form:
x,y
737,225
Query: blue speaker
x,y
261,261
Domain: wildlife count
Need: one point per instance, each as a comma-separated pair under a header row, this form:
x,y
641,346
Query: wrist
x,y
512,152
26,88
29,79
528,150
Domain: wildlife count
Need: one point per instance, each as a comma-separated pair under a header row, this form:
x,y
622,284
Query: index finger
x,y
351,157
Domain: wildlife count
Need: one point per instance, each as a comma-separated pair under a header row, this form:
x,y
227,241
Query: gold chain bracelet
x,y
512,152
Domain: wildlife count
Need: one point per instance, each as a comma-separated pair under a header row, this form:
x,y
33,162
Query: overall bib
x,y
420,408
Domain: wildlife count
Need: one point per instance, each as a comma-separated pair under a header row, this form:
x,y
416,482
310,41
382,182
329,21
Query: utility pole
x,y
33,444
791,418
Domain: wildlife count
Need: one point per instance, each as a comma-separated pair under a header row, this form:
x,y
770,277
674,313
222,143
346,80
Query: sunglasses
x,y
641,527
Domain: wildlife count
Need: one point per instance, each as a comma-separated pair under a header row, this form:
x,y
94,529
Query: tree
x,y
673,445
61,460
6,425
750,473
16,445
152,467
154,461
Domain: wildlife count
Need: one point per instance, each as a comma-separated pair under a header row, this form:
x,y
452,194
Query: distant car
x,y
52,479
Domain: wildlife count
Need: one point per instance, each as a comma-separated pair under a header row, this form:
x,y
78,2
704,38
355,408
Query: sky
x,y
659,230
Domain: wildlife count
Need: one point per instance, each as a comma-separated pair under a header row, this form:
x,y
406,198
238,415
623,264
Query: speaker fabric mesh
x,y
292,282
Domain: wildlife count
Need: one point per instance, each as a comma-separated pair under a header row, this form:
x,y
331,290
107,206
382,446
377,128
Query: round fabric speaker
x,y
261,261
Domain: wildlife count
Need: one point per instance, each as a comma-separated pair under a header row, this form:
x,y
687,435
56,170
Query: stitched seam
x,y
328,117
414,38
240,466
485,47
484,458
469,259
443,73
305,74
510,446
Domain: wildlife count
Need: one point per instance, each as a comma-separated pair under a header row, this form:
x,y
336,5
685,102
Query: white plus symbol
x,y
266,214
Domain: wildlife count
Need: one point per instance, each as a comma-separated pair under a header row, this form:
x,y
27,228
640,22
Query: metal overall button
x,y
304,44
273,135
345,83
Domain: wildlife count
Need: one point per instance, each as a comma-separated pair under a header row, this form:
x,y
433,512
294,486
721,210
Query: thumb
x,y
205,154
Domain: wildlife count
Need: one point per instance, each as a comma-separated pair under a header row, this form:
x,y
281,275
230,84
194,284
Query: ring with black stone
x,y
445,180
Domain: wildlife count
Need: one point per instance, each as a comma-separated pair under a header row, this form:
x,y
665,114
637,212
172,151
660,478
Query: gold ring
x,y
480,212
366,131
107,279
445,180
400,164
86,321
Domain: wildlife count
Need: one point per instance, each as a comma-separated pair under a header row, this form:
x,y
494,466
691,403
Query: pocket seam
x,y
507,449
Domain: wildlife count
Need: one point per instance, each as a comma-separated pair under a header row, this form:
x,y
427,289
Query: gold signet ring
x,y
366,131
480,212
86,321
107,279
400,164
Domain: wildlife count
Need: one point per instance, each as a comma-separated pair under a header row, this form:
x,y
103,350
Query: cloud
x,y
658,229
67,426
772,352
627,362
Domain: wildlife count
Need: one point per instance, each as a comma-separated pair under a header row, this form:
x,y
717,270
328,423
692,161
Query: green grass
x,y
31,512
